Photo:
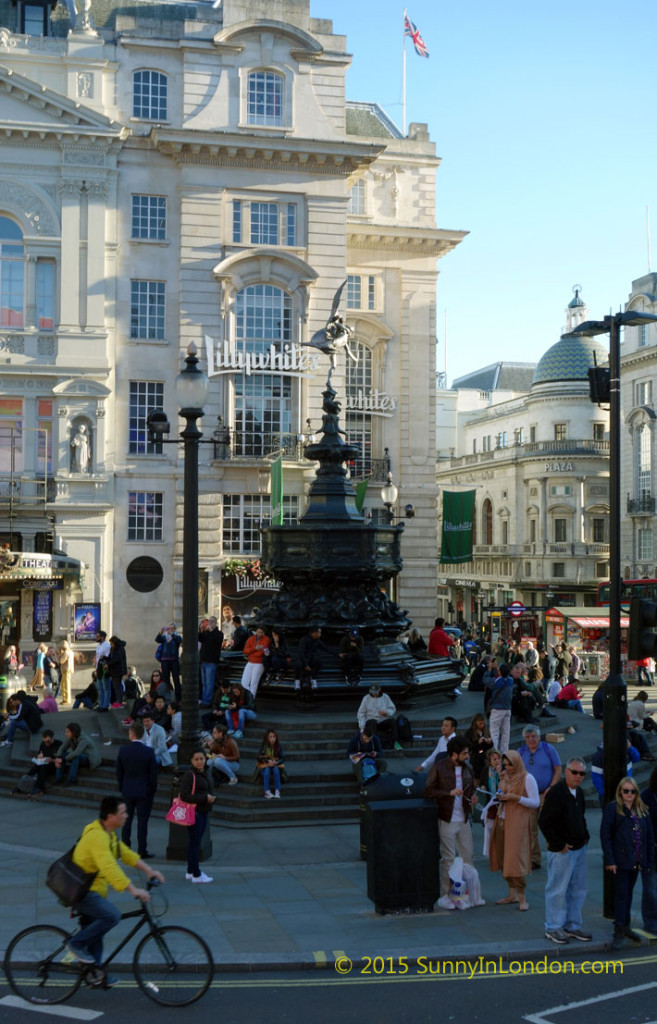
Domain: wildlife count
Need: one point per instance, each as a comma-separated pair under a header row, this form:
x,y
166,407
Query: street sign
x,y
516,608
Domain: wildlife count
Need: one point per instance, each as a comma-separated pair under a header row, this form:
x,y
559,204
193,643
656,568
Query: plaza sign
x,y
288,360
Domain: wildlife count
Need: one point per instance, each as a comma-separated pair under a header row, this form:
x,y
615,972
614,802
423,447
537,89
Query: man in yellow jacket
x,y
99,851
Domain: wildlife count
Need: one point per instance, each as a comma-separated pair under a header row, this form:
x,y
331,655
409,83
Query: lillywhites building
x,y
187,172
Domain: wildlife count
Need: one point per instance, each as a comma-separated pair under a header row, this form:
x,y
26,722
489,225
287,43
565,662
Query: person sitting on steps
x,y
309,657
351,656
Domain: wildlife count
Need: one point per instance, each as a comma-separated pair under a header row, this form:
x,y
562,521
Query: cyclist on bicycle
x,y
99,851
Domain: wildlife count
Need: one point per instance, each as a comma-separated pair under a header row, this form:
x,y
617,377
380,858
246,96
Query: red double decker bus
x,y
629,589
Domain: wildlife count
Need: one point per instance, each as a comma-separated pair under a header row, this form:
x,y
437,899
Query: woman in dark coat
x,y
628,848
196,788
118,668
649,900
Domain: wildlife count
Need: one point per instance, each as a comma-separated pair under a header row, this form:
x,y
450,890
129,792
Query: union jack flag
x,y
414,33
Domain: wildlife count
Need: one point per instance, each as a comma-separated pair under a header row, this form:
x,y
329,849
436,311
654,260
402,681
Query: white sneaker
x,y
201,878
456,691
313,684
277,794
189,876
6,743
297,684
233,781
269,795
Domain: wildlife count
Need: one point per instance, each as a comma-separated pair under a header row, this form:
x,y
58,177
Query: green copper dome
x,y
569,359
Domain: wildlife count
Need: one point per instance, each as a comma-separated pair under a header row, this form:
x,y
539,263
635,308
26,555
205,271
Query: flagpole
x,y
404,76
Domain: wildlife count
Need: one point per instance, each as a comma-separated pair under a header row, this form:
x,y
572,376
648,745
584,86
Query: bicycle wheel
x,y
38,967
173,966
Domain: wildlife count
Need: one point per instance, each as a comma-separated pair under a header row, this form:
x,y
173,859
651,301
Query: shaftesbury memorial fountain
x,y
333,565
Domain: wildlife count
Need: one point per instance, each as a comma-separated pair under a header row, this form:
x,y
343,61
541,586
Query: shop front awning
x,y
28,565
587,618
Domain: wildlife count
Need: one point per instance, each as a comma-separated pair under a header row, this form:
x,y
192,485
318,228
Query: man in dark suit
x,y
136,772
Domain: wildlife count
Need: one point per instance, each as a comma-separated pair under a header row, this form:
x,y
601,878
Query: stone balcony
x,y
32,345
530,450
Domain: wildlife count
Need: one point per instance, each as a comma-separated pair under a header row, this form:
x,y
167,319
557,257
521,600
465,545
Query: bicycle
x,y
171,965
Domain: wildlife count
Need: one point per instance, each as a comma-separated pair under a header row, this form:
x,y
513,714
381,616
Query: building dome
x,y
569,359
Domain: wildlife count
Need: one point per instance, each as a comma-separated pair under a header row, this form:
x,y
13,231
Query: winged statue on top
x,y
334,337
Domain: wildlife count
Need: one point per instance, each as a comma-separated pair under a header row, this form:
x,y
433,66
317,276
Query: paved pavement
x,y
291,897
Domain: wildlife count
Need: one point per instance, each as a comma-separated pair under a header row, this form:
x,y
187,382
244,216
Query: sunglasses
x,y
573,772
624,790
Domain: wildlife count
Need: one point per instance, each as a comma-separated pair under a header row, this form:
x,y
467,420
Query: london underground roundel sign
x,y
516,608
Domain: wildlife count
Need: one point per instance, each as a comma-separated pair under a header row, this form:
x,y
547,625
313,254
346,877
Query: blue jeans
x,y
624,882
194,836
642,671
208,673
73,770
98,916
649,901
18,723
565,890
266,774
229,768
245,715
104,691
86,701
575,705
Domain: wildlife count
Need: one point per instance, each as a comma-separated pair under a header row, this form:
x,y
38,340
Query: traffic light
x,y
642,639
599,383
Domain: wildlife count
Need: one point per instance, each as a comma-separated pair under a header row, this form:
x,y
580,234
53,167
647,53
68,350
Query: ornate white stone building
x,y
638,439
539,463
181,172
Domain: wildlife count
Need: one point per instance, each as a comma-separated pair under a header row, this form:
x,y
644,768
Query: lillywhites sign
x,y
379,403
458,518
289,359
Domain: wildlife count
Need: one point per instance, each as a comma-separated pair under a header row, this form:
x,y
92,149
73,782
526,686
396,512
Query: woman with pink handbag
x,y
196,788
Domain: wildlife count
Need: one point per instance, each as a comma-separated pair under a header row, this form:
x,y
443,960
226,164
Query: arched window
x,y
358,420
263,401
12,274
149,95
487,522
265,94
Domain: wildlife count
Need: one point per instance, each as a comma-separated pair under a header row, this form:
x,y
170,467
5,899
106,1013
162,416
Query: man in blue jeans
x,y
99,851
211,640
563,823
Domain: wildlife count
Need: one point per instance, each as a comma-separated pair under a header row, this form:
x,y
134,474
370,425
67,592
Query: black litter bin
x,y
399,831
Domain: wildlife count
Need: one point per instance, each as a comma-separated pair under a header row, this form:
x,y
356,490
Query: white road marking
x,y
542,1017
70,1012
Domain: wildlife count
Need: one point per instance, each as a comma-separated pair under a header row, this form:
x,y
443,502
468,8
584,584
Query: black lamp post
x,y
615,690
191,393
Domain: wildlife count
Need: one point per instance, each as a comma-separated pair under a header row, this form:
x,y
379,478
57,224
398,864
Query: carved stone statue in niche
x,y
80,448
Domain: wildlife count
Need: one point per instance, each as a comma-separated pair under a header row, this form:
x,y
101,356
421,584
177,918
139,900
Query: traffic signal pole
x,y
615,690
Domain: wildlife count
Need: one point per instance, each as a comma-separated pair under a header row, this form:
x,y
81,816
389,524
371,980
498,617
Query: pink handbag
x,y
182,813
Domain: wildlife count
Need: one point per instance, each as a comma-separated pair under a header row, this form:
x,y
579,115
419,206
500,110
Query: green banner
x,y
277,492
458,519
361,491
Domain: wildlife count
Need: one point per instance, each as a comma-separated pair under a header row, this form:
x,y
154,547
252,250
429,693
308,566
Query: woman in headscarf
x,y
510,848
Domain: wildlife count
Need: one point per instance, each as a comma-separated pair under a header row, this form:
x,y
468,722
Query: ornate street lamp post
x,y
191,394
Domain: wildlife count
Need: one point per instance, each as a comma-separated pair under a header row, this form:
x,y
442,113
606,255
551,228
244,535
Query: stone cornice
x,y
639,356
270,153
398,238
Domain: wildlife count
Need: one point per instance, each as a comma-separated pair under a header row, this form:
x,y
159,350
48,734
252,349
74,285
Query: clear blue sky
x,y
543,115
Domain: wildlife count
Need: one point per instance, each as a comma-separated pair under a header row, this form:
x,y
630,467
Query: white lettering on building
x,y
379,403
558,467
289,359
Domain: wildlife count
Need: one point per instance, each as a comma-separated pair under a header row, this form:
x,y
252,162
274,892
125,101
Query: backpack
x,y
133,687
25,785
404,731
